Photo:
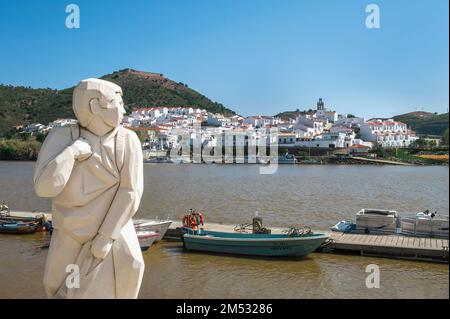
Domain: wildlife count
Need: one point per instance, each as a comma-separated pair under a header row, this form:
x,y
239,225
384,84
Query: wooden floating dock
x,y
391,246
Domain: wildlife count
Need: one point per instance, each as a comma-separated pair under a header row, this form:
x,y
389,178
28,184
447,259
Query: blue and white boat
x,y
270,245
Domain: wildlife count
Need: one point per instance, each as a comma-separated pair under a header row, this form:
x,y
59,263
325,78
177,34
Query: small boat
x,y
10,224
158,226
158,159
293,244
344,226
19,227
425,224
180,160
146,239
377,221
287,159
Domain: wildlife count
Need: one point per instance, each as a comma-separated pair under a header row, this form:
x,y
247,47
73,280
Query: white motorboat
x,y
158,226
146,238
425,224
377,221
287,159
344,226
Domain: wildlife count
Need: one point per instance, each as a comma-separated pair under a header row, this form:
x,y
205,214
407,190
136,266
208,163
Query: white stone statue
x,y
94,172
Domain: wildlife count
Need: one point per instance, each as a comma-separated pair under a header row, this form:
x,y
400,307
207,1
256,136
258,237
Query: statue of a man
x,y
94,172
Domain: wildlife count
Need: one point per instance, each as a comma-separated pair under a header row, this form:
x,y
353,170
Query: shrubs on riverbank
x,y
17,150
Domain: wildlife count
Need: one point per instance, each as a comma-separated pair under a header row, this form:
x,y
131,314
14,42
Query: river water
x,y
317,195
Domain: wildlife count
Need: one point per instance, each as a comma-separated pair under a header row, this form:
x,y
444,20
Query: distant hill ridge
x,y
21,105
425,123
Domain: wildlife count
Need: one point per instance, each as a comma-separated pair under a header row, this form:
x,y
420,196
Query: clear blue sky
x,y
254,56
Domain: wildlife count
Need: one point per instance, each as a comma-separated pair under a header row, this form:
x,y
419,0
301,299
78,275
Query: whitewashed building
x,y
61,122
326,140
287,139
262,121
388,133
349,121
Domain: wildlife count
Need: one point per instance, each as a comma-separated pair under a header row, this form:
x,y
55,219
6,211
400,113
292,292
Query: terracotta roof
x,y
359,146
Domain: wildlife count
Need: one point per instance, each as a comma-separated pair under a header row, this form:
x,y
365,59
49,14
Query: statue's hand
x,y
101,246
81,149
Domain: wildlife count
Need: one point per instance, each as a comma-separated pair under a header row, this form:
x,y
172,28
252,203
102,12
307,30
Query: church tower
x,y
320,105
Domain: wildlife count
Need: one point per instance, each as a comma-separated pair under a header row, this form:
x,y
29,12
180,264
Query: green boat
x,y
292,244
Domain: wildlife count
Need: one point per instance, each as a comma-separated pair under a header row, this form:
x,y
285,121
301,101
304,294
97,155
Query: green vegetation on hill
x,y
22,105
153,89
19,150
292,114
425,123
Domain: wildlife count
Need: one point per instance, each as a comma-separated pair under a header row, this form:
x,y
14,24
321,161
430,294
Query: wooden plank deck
x,y
396,246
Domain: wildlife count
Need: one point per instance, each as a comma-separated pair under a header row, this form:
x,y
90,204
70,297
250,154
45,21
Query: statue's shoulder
x,y
71,131
127,133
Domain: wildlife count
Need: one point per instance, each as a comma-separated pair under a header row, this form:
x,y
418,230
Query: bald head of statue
x,y
98,105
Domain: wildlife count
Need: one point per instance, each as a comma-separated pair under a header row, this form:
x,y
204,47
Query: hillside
x,y
19,105
425,122
153,89
292,114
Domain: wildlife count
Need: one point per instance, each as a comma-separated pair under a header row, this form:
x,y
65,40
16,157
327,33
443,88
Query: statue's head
x,y
97,102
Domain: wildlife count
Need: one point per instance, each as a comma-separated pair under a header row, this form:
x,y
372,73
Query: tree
x,y
445,137
8,134
25,136
377,149
432,144
40,137
7,151
420,143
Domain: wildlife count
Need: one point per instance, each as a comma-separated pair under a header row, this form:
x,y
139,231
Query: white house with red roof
x,y
359,150
387,133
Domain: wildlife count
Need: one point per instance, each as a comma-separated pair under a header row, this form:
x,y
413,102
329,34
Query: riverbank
x,y
19,150
28,150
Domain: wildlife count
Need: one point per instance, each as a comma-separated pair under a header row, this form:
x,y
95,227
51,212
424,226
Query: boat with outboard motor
x,y
295,242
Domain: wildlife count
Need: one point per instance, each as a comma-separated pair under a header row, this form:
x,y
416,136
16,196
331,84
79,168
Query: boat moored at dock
x,y
13,224
146,239
425,224
160,227
270,245
377,221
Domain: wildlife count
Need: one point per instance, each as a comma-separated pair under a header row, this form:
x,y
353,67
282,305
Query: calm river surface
x,y
315,195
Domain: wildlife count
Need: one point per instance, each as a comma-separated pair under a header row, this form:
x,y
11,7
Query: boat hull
x,y
19,228
255,245
159,227
146,239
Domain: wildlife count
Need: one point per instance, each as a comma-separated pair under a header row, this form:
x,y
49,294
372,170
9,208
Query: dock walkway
x,y
391,246
394,246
